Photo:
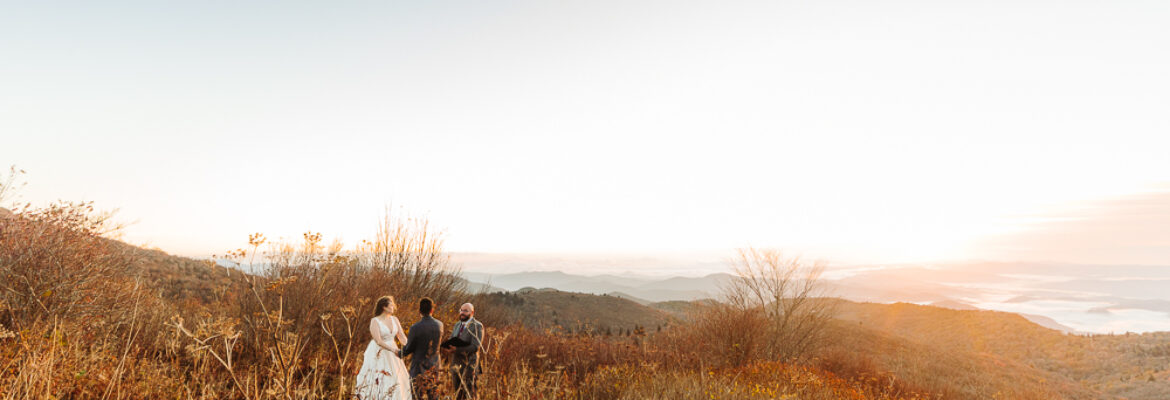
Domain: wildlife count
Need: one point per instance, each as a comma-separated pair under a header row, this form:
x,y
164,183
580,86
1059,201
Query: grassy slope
x,y
1118,366
977,354
942,369
180,278
963,354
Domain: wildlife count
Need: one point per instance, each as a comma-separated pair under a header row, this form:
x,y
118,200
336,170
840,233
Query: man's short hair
x,y
426,305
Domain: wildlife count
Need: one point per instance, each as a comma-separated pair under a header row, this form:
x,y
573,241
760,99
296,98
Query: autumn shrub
x,y
56,264
723,335
77,318
61,364
574,355
864,370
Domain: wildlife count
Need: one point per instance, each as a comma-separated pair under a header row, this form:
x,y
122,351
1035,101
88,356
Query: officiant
x,y
464,343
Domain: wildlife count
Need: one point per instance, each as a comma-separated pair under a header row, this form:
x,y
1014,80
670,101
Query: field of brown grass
x,y
84,316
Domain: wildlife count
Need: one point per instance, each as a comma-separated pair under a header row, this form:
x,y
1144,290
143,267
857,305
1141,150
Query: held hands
x,y
394,351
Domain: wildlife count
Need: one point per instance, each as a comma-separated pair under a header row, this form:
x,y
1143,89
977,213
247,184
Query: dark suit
x,y
465,361
422,344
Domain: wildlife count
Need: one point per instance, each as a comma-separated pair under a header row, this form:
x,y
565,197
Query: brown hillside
x,y
854,350
576,312
891,349
1118,366
180,278
977,353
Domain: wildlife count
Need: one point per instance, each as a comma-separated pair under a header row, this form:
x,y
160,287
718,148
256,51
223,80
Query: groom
x,y
422,344
465,362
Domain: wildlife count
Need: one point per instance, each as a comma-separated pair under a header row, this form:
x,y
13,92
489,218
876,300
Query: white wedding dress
x,y
383,375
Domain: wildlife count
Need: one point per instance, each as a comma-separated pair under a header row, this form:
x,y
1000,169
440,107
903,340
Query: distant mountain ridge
x,y
643,290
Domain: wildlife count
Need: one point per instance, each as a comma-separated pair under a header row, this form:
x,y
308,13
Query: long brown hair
x,y
383,302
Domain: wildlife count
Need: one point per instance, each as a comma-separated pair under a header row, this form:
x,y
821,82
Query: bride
x,y
383,374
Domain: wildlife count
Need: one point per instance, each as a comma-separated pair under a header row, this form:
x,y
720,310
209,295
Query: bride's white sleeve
x,y
399,332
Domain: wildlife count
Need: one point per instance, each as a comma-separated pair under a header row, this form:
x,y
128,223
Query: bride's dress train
x,y
383,375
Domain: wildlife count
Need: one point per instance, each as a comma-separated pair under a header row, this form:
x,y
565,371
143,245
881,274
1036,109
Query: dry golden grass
x,y
81,322
81,318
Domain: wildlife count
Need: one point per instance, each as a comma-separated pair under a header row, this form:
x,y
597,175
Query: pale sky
x,y
857,131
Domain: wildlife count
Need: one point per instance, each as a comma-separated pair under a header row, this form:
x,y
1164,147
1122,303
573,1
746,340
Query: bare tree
x,y
787,293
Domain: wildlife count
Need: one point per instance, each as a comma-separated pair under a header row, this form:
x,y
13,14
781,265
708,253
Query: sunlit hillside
x,y
1131,366
157,325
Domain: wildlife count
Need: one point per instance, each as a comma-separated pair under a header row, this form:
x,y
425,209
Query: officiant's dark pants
x,y
464,378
